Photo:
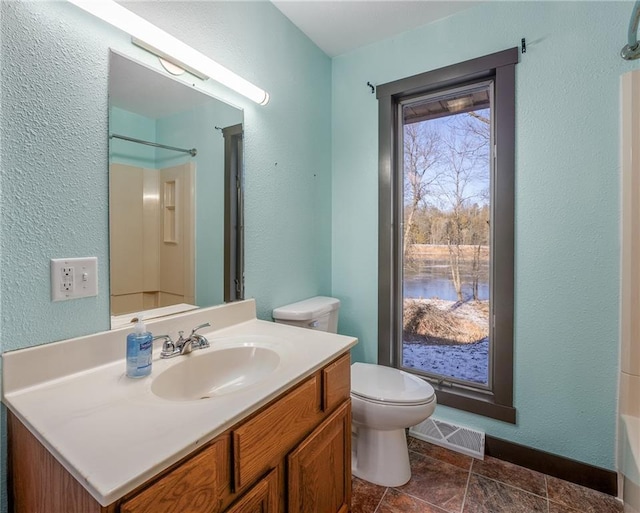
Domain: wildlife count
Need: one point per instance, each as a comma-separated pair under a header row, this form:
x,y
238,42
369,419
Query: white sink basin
x,y
215,373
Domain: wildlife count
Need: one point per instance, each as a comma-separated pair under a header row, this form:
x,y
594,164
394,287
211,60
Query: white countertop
x,y
112,433
118,321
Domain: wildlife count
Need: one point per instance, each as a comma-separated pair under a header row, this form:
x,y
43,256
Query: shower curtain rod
x,y
193,152
631,50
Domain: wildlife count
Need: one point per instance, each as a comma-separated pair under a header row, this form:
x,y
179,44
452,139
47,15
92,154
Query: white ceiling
x,y
338,27
334,26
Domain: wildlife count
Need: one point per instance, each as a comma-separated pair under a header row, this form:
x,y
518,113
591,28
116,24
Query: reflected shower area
x,y
175,220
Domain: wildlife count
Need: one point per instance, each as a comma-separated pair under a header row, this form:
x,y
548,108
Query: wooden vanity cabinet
x,y
293,455
37,482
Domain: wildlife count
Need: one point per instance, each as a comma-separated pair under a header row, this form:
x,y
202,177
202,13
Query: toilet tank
x,y
316,313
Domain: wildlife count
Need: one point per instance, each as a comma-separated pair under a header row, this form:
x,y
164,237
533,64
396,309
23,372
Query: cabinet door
x,y
320,468
262,498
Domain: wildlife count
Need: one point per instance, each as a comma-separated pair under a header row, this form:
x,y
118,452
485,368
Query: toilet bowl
x,y
384,401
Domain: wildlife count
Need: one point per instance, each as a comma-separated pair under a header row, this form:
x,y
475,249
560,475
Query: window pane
x,y
446,236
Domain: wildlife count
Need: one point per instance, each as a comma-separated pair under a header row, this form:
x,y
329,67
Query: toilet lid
x,y
385,384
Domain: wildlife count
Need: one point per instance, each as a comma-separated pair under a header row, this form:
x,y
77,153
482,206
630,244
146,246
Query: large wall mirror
x,y
175,195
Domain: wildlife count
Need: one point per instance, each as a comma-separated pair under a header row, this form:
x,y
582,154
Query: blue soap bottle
x,y
139,350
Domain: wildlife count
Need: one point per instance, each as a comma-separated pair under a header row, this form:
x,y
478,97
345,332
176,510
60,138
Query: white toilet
x,y
385,401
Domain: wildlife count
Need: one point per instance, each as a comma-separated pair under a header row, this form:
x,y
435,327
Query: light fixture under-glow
x,y
164,45
458,104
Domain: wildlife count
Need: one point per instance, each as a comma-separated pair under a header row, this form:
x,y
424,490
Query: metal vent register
x,y
457,438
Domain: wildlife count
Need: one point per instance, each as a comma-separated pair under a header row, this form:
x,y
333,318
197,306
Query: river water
x,y
431,278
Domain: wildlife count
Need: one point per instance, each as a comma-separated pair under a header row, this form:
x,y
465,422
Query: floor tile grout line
x,y
546,491
512,486
466,489
386,490
460,454
570,508
441,461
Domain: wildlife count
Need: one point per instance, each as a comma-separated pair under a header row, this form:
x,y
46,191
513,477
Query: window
x,y
446,154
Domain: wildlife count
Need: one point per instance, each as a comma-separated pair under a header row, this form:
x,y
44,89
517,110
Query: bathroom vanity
x,y
279,443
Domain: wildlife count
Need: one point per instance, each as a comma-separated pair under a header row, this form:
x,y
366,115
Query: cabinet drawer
x,y
193,487
336,382
262,441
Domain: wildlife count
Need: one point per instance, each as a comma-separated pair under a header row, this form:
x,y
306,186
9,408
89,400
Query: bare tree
x,y
475,129
478,126
460,186
421,154
479,239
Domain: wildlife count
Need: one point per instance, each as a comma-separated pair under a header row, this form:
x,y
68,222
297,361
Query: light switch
x,y
72,278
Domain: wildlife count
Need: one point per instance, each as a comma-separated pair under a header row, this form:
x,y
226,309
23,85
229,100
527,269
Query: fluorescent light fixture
x,y
164,45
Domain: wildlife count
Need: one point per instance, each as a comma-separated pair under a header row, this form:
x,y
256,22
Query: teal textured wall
x,y
53,81
288,142
567,206
130,124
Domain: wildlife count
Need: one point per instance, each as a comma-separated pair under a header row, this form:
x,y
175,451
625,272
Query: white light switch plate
x,y
72,278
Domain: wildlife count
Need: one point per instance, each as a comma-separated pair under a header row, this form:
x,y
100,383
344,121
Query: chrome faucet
x,y
183,345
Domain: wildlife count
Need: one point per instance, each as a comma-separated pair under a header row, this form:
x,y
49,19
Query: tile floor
x,y
447,482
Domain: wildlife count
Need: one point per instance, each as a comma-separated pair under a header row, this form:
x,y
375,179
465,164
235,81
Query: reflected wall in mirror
x,y
175,194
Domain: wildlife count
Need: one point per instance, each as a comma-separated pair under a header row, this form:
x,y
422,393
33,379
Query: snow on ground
x,y
473,311
462,361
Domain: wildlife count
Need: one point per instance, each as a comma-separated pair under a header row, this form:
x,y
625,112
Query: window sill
x,y
475,402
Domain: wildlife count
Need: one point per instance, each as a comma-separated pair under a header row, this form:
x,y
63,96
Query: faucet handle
x,y
168,347
199,341
200,327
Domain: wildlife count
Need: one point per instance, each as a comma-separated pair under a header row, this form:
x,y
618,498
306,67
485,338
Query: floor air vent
x,y
457,438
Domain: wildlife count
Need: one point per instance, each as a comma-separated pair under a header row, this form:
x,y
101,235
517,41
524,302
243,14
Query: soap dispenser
x,y
139,350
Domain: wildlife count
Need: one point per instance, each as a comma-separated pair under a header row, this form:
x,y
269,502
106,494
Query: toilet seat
x,y
386,385
392,403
